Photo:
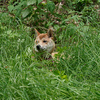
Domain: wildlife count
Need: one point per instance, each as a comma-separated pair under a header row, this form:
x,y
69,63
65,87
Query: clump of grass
x,y
76,76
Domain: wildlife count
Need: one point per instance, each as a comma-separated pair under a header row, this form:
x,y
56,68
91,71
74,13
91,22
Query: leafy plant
x,y
89,14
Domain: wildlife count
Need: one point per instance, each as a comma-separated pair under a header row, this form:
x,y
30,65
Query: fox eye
x,y
44,41
37,41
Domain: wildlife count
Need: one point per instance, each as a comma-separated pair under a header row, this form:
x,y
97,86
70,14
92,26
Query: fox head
x,y
44,42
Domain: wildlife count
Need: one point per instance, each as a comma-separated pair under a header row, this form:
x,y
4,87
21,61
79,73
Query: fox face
x,y
44,42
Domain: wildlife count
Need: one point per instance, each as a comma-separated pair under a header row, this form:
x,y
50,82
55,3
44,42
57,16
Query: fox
x,y
44,44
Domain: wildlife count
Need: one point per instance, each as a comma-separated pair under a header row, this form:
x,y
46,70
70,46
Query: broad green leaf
x,y
56,27
60,37
20,5
56,72
64,76
25,13
30,2
50,6
10,8
39,1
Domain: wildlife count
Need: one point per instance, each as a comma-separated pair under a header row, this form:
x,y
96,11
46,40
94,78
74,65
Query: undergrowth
x,y
75,76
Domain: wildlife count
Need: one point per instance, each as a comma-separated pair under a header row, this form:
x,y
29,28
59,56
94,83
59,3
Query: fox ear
x,y
50,33
36,32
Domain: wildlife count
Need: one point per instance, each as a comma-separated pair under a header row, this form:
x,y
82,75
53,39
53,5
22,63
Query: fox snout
x,y
38,47
41,48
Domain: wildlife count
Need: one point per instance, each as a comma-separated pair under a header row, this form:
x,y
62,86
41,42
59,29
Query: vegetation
x,y
75,76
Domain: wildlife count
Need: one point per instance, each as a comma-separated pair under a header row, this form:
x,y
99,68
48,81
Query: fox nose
x,y
38,47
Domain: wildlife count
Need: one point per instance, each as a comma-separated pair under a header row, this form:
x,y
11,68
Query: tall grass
x,y
76,77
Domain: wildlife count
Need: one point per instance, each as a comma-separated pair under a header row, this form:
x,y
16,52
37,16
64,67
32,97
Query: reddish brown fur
x,y
42,36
